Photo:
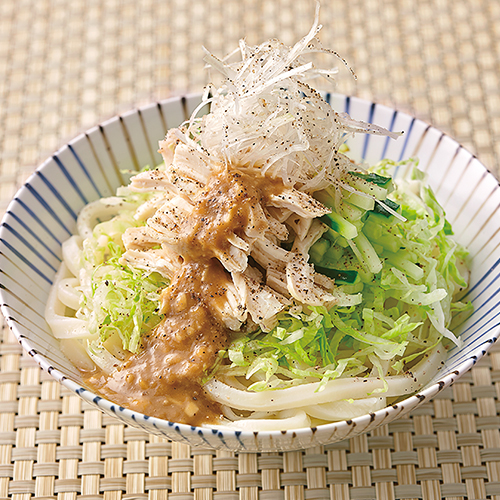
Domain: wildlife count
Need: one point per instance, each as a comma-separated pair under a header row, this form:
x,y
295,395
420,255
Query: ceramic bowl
x,y
43,213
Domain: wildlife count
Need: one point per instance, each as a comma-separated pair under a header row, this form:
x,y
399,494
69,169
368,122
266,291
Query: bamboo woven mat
x,y
66,65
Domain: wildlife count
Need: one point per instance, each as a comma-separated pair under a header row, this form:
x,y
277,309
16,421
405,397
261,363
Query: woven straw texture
x,y
66,65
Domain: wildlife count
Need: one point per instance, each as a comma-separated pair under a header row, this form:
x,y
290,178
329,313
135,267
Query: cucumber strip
x,y
351,212
341,277
358,199
382,220
380,209
366,187
403,263
331,258
372,230
366,254
326,196
346,210
340,225
389,243
377,179
342,242
354,288
319,249
379,249
377,234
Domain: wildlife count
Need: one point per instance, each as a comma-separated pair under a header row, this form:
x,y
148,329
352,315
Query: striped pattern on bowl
x,y
43,214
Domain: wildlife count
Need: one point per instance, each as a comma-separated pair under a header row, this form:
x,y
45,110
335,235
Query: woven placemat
x,y
67,65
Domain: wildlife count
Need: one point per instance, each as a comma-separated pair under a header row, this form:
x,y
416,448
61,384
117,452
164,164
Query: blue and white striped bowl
x,y
43,213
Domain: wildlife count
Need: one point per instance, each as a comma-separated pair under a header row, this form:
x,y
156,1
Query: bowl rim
x,y
380,416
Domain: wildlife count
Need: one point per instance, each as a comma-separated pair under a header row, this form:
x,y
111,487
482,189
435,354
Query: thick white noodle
x,y
346,409
335,390
75,351
98,211
103,359
295,419
72,251
63,327
71,276
288,420
68,293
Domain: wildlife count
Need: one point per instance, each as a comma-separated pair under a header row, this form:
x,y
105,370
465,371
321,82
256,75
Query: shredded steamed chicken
x,y
259,279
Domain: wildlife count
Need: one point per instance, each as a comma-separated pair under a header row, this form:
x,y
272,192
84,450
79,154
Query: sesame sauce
x,y
164,379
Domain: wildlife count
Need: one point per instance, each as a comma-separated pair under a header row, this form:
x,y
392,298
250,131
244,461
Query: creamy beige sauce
x,y
164,378
226,206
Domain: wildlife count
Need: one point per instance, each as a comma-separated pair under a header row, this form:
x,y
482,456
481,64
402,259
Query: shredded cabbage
x,y
406,295
118,300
